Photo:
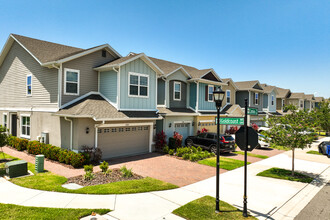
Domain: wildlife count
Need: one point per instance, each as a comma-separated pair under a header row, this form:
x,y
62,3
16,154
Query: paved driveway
x,y
166,168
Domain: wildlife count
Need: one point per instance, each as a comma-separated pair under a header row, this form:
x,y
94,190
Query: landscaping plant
x,y
104,167
175,141
160,141
3,136
290,130
89,175
126,172
321,116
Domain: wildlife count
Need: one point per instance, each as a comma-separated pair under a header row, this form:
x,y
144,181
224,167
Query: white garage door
x,y
183,129
123,141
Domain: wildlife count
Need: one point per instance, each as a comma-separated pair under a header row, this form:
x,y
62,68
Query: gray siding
x,y
265,101
160,92
16,66
260,104
272,108
174,103
108,85
193,95
240,97
88,77
179,76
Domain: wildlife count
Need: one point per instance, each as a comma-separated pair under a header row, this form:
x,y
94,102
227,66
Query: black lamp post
x,y
218,96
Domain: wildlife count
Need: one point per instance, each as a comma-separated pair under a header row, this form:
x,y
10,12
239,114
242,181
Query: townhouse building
x,y
281,98
309,103
296,99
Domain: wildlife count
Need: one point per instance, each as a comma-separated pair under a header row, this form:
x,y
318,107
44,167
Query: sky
x,y
285,43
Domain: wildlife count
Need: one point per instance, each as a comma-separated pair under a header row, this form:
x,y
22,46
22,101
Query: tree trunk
x,y
292,172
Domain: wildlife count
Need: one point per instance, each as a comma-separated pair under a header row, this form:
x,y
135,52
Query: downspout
x,y
59,82
118,85
71,131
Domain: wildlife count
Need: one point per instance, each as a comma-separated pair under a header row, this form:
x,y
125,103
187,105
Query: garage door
x,y
183,129
123,141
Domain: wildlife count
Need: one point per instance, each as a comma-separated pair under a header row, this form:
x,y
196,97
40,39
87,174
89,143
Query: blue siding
x,y
108,85
126,102
202,103
265,101
193,95
161,92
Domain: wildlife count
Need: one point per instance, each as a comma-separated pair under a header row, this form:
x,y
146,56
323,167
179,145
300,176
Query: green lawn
x,y
225,163
314,152
279,173
252,155
51,182
8,211
204,208
279,147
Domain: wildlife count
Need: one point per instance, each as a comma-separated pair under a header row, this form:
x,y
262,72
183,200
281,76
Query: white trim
x,y
203,121
180,68
3,119
124,125
178,83
26,85
128,119
212,110
161,106
98,81
26,49
60,80
151,136
136,109
213,72
29,109
21,128
71,131
138,85
118,86
208,93
228,90
156,95
65,81
106,99
207,82
197,96
192,108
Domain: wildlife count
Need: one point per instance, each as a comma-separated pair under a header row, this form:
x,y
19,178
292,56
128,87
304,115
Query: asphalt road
x,y
319,207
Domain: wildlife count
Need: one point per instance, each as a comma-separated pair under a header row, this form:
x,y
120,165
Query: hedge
x,y
49,151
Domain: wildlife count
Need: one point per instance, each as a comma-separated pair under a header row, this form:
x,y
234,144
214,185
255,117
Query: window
x,y
71,82
210,93
272,100
29,85
138,85
5,120
25,126
228,96
282,103
177,91
256,98
301,103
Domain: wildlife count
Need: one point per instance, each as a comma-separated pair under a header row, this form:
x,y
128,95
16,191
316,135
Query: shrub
x,y
35,147
108,172
199,149
194,149
104,166
232,130
126,172
171,143
203,131
88,168
18,143
94,155
69,156
62,156
3,136
160,140
186,156
171,152
178,139
89,176
77,160
193,157
165,149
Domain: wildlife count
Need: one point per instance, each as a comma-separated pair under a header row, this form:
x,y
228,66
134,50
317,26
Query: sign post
x,y
245,160
252,111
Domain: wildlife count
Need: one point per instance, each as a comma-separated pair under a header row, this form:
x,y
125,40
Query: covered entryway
x,y
123,141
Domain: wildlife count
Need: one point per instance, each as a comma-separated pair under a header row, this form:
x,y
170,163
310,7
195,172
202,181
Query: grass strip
x,y
314,152
284,174
9,211
225,163
252,155
204,208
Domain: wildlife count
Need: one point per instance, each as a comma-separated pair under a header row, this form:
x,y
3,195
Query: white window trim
x,y
26,85
21,121
129,83
229,97
179,83
3,120
208,93
71,70
301,102
256,100
272,100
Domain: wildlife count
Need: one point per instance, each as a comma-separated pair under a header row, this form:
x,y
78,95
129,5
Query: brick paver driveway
x,y
166,168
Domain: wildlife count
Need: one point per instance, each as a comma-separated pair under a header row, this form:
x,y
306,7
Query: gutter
x,y
71,131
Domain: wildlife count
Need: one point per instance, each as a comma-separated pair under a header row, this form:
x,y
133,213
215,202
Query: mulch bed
x,y
100,178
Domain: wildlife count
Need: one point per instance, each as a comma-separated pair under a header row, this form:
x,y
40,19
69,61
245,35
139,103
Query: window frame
x,y
301,103
272,100
21,126
283,104
208,93
138,85
26,85
65,81
256,98
228,96
3,120
178,83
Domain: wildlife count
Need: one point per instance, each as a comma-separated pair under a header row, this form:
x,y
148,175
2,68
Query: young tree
x,y
3,136
321,116
291,130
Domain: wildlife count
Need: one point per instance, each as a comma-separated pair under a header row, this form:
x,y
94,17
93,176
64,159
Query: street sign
x,y
252,111
241,140
230,121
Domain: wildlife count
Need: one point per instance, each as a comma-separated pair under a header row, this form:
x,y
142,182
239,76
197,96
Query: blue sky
x,y
279,42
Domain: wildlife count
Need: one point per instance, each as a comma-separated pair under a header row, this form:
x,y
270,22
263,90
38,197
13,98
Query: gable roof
x,y
309,97
282,93
229,80
319,99
268,88
297,95
47,53
248,85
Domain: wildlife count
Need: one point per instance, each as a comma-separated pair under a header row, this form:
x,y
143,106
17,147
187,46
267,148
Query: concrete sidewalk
x,y
267,197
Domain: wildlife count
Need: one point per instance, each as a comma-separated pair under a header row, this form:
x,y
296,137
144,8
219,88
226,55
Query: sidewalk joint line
x,y
71,200
165,199
31,197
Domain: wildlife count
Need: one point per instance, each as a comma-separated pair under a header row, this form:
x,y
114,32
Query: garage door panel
x,y
125,141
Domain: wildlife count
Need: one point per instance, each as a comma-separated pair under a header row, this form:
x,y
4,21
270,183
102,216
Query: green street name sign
x,y
252,111
230,121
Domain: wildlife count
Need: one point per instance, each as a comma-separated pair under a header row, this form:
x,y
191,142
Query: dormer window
x,y
29,85
228,96
71,82
210,93
256,98
177,91
138,85
272,100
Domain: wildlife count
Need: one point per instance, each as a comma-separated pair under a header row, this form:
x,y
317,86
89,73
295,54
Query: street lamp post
x,y
218,96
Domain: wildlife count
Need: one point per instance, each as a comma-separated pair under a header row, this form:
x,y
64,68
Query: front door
x,y
14,124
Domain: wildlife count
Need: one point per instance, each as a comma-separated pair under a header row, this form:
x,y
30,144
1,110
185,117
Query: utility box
x,y
39,164
16,168
44,137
